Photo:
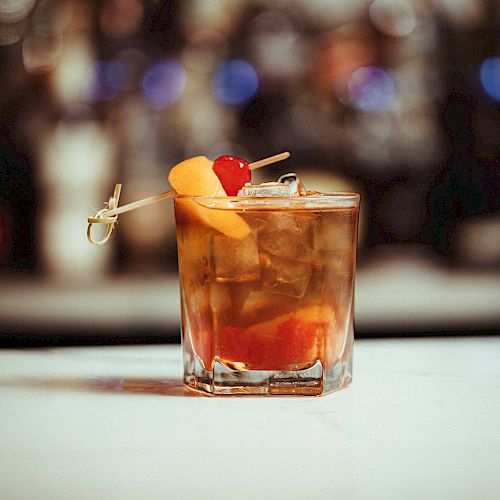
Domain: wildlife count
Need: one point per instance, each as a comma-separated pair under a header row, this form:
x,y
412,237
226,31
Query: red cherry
x,y
232,172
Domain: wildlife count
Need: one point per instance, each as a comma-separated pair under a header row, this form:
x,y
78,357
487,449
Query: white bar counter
x,y
420,420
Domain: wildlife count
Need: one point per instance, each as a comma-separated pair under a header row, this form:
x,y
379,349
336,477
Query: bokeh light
x,y
12,32
490,77
135,63
393,17
235,82
41,53
51,17
71,77
340,52
465,14
13,11
278,49
121,18
107,79
371,89
163,83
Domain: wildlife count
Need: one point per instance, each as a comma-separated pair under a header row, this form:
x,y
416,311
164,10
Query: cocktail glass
x,y
267,292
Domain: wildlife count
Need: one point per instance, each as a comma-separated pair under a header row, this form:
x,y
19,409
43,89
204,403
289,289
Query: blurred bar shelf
x,y
115,310
411,297
393,298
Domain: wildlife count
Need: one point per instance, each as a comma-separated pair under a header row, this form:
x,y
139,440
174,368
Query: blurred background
x,y
396,99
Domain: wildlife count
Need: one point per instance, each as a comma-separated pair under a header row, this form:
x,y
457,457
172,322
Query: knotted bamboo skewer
x,y
109,214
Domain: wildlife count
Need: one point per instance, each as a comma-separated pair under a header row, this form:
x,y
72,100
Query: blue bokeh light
x,y
116,75
107,78
490,77
163,83
371,89
235,82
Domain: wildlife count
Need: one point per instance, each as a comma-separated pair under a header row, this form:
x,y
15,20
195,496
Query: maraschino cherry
x,y
232,172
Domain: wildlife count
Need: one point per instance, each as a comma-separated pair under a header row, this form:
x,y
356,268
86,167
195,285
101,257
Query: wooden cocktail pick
x,y
109,214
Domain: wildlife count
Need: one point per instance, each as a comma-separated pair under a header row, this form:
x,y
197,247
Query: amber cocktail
x,y
267,292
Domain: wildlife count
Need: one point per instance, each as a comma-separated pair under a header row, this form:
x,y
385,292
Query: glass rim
x,y
337,199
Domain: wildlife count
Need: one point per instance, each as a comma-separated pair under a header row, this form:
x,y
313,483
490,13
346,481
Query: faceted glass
x,y
267,293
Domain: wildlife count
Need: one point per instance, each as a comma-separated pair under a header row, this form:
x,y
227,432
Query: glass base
x,y
313,381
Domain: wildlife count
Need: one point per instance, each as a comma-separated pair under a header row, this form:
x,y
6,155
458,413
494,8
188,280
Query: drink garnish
x,y
233,173
193,177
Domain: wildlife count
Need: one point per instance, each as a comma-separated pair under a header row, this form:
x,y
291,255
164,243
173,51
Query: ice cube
x,y
285,276
335,232
220,297
260,306
293,182
195,249
220,302
264,190
228,299
288,235
256,220
197,320
338,287
317,279
236,260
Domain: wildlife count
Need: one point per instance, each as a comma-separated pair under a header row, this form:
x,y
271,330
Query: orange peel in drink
x,y
195,177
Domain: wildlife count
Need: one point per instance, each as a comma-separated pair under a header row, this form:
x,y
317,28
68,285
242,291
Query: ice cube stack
x,y
278,252
275,249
